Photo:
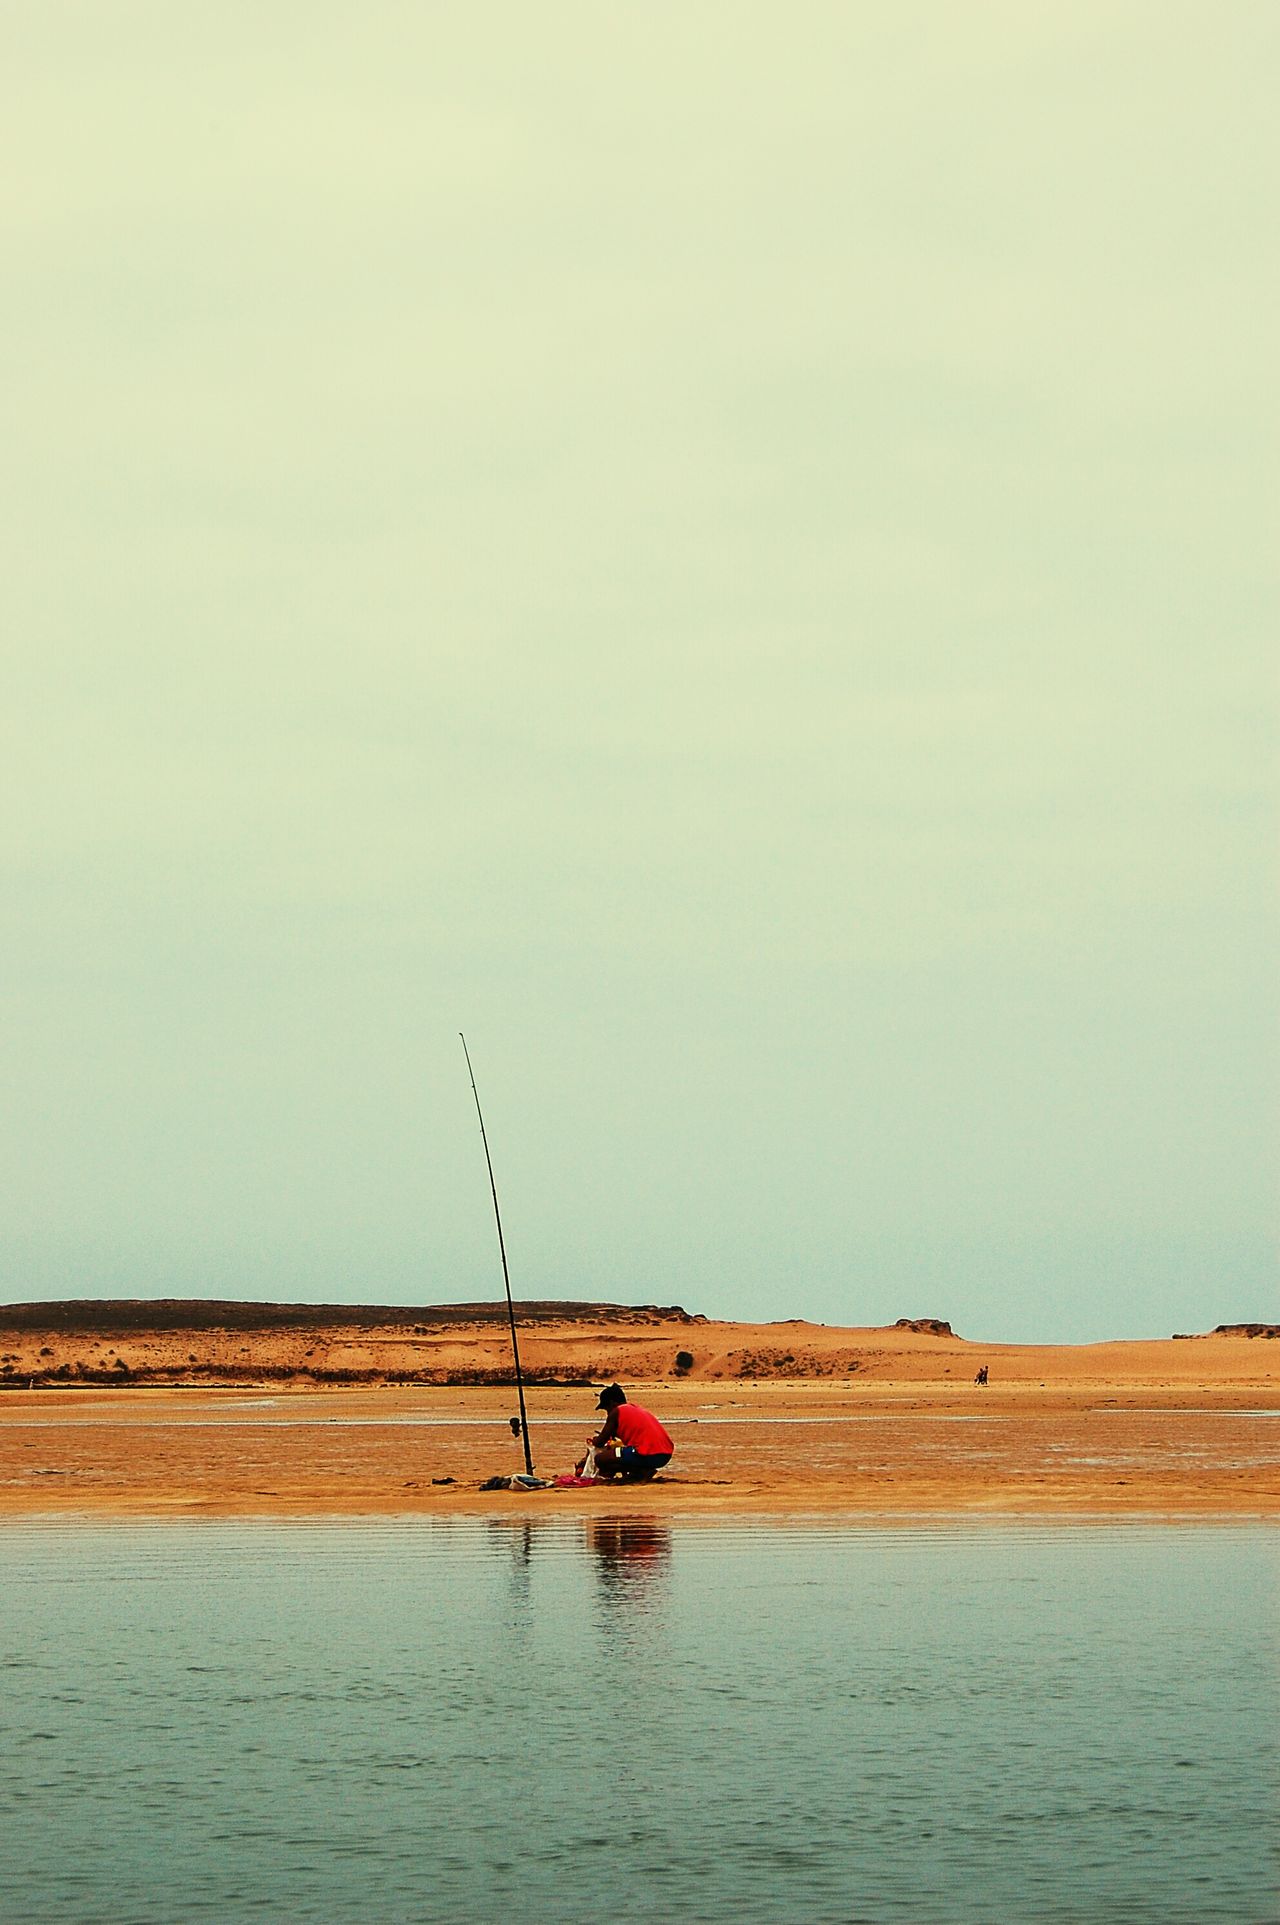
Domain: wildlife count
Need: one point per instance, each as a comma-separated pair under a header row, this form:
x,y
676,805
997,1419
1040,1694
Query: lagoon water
x,y
566,1719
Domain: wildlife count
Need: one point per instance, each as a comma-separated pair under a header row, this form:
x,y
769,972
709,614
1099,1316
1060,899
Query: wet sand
x,y
1177,1429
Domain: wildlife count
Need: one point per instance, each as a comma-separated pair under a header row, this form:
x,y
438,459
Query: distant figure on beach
x,y
632,1444
981,1377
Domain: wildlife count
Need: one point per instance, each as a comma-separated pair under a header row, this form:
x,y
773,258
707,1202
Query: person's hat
x,y
612,1394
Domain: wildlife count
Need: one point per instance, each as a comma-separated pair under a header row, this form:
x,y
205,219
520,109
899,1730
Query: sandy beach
x,y
768,1418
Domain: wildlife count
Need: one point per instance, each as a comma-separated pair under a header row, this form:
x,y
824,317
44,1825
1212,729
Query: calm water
x,y
567,1720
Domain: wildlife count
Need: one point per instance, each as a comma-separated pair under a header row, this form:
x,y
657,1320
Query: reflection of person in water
x,y
630,1550
632,1444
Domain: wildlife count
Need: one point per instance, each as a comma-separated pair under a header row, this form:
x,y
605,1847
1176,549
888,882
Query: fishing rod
x,y
502,1250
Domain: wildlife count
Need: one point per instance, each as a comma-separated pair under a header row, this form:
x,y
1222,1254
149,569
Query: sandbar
x,y
856,1422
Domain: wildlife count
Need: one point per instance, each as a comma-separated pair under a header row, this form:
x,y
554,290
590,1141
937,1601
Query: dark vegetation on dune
x,y
109,1316
78,1376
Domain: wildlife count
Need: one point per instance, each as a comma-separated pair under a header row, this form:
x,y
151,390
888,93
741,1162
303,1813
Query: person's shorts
x,y
637,1469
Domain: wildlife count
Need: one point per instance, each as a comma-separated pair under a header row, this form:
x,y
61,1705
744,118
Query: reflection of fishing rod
x,y
502,1250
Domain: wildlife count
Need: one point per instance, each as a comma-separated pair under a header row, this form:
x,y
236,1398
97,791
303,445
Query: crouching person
x,y
632,1444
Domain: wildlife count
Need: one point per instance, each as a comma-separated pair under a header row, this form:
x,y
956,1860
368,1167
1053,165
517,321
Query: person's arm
x,y
609,1432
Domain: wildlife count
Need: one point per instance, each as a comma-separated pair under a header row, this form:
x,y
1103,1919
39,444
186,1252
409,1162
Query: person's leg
x,y
607,1464
640,1470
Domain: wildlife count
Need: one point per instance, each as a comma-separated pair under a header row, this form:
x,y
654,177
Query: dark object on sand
x,y
981,1377
516,1426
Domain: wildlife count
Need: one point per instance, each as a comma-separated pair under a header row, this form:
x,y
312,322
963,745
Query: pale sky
x,y
728,553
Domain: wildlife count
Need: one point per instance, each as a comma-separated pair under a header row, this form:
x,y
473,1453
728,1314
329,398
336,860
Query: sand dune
x,y
178,1341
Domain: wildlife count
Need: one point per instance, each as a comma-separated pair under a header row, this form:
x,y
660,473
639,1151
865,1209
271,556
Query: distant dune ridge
x,y
175,1341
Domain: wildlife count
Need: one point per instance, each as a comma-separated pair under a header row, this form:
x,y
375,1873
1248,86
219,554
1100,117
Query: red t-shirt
x,y
641,1429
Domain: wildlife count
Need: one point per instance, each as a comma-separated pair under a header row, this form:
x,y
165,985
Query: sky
x,y
729,555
